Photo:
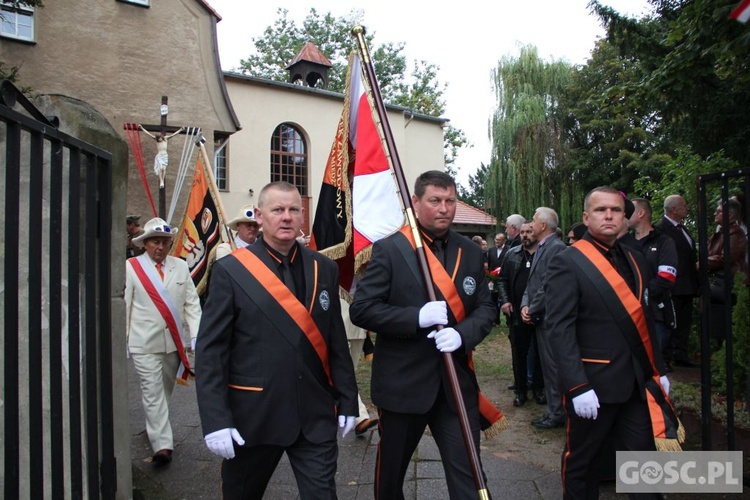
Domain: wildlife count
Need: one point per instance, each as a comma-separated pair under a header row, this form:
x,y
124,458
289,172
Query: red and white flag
x,y
376,206
741,12
359,182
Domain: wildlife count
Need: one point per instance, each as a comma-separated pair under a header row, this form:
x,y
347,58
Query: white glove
x,y
665,384
586,404
192,343
433,313
220,442
446,340
346,424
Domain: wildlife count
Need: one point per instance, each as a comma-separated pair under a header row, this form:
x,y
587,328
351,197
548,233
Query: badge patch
x,y
470,285
324,299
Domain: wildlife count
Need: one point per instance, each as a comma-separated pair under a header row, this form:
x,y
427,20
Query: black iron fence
x,y
717,300
55,312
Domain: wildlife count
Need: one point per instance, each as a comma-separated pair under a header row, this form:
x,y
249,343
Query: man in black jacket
x,y
495,258
273,369
661,255
511,285
602,339
686,286
409,383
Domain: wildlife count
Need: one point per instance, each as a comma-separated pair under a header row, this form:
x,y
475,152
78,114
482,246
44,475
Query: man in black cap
x,y
134,230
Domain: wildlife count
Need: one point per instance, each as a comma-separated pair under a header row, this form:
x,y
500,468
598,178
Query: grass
x,y
687,396
492,358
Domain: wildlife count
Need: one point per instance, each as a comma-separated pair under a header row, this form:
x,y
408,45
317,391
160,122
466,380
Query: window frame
x,y
22,9
221,163
296,173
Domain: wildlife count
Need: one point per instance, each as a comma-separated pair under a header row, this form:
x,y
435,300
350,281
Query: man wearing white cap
x,y
247,231
162,314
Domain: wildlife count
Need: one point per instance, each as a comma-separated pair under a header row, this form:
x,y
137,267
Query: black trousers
x,y
399,436
625,425
495,295
522,336
246,476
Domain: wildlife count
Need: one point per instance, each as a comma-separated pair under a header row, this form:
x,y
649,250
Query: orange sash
x,y
288,302
667,429
492,419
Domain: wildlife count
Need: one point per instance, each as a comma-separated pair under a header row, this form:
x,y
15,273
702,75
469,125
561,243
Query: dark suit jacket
x,y
534,295
407,368
687,274
585,338
493,260
275,394
506,283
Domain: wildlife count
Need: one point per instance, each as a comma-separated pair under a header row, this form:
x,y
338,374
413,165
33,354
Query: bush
x,y
740,345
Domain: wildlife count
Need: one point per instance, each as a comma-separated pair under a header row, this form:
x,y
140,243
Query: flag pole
x,y
214,191
390,147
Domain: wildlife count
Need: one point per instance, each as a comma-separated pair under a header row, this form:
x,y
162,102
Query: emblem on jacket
x,y
470,285
324,299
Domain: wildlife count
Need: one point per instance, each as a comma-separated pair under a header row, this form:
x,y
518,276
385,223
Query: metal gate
x,y
714,189
55,309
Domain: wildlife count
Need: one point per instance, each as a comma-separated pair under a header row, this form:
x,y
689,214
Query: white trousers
x,y
355,350
157,373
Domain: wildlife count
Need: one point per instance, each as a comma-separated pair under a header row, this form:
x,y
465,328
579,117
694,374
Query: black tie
x,y
286,275
438,251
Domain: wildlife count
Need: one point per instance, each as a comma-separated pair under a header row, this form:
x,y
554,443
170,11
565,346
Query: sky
x,y
465,41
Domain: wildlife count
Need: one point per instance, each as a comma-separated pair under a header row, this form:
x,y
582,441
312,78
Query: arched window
x,y
289,157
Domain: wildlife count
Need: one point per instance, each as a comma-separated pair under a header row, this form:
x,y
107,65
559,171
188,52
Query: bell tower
x,y
310,67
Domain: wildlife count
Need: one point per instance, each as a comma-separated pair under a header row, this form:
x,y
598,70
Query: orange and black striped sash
x,y
617,295
287,302
490,414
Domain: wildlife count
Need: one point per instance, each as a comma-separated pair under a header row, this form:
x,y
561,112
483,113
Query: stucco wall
x,y
261,107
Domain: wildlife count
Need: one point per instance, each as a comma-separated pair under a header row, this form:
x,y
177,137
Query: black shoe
x,y
669,367
539,420
162,457
512,387
684,362
519,400
548,424
540,398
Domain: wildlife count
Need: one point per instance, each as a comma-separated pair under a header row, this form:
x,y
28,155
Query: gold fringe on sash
x,y
496,429
663,444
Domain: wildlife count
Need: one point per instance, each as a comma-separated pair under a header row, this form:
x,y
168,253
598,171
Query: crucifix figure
x,y
161,160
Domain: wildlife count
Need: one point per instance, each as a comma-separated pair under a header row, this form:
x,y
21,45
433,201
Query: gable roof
x,y
310,53
466,214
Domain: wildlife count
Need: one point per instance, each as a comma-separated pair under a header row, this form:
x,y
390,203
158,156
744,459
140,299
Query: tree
x,y
528,153
694,73
679,175
613,134
419,91
475,194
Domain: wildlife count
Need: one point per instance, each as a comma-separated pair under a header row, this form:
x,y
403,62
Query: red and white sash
x,y
154,286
